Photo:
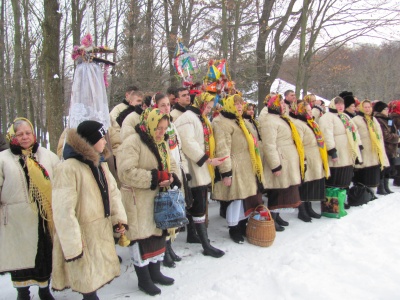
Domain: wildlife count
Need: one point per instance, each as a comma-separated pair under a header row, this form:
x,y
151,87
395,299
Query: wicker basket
x,y
260,232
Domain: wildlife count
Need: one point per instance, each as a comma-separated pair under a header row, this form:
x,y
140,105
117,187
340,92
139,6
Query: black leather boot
x,y
157,276
205,242
192,236
303,215
44,294
381,188
145,283
168,261
281,221
236,234
172,253
386,186
90,296
310,211
243,227
23,293
277,226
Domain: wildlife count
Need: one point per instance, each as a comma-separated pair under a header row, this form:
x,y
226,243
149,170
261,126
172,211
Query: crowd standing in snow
x,y
69,213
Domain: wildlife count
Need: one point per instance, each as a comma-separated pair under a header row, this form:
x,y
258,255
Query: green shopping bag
x,y
333,206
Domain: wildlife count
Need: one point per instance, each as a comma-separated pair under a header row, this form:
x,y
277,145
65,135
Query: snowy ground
x,y
356,257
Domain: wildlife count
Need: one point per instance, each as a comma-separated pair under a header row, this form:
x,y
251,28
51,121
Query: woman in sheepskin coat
x,y
391,139
313,187
144,166
198,145
283,159
86,206
342,143
26,225
241,179
374,154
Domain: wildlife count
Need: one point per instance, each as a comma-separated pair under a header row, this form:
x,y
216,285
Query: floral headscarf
x,y
201,100
274,104
148,123
394,107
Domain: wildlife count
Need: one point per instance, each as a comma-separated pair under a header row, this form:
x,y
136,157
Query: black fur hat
x,y
379,106
348,98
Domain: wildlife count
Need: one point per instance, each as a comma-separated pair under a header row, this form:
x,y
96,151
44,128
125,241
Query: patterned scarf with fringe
x,y
351,136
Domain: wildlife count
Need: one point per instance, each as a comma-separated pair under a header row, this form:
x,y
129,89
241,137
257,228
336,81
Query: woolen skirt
x,y
340,177
368,176
284,198
313,190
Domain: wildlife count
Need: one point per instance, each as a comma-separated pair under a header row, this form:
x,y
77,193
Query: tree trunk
x,y
3,122
17,58
51,61
301,66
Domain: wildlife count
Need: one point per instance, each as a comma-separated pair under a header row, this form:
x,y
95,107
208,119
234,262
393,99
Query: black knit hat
x,y
348,98
91,131
379,106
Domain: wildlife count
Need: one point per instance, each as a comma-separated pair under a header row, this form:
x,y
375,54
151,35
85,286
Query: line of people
x,y
69,214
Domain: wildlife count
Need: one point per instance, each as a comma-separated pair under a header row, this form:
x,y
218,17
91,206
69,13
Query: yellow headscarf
x,y
149,123
376,140
200,102
39,181
229,106
301,111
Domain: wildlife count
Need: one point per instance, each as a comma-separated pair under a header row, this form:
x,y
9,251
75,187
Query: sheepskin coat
x,y
315,169
370,158
231,141
317,113
115,129
18,219
128,125
138,165
192,136
280,153
336,140
84,256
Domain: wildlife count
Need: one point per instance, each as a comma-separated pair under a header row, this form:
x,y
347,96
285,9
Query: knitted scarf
x,y
229,106
39,181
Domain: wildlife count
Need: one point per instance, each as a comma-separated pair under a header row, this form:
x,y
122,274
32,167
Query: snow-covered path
x,y
356,257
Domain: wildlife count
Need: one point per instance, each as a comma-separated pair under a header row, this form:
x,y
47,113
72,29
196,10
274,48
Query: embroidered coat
x,y
315,169
279,150
137,167
370,158
18,218
231,141
192,135
84,235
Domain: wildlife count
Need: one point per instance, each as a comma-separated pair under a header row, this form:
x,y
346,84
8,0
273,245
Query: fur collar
x,y
17,149
77,147
349,114
194,110
151,145
179,107
381,116
125,102
333,110
228,115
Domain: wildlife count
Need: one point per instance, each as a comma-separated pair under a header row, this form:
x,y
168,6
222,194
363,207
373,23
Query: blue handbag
x,y
169,210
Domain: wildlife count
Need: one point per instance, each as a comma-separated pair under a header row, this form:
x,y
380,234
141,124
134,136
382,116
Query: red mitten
x,y
162,176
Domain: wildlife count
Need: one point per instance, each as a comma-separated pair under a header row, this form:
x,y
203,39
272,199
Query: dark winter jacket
x,y
3,143
390,135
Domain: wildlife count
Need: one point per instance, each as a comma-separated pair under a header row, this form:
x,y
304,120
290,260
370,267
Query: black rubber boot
x,y
90,296
386,186
281,221
168,261
223,206
157,276
23,293
205,242
172,253
235,233
243,227
381,188
303,215
277,226
44,294
192,236
145,283
310,211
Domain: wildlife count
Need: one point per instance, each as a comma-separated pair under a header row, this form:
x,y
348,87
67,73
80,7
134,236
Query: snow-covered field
x,y
355,257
